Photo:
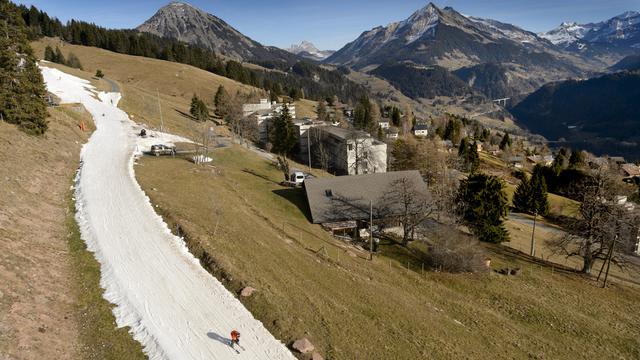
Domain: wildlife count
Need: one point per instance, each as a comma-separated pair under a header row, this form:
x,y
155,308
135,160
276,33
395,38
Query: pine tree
x,y
506,142
468,154
198,109
396,116
452,131
49,55
59,57
531,194
99,74
222,102
538,185
283,136
21,85
576,160
522,196
485,206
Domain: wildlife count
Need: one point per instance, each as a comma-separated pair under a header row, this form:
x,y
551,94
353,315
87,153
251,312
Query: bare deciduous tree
x,y
597,233
412,204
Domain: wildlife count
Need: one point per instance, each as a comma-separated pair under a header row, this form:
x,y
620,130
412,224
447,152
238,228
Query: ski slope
x,y
175,309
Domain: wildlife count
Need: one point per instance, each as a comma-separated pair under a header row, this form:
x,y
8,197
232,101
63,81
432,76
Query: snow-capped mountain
x,y
308,50
444,37
620,31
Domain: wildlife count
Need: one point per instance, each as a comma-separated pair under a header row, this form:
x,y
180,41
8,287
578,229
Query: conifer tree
x,y
49,55
522,196
283,136
59,57
484,207
506,142
198,109
538,185
21,85
222,102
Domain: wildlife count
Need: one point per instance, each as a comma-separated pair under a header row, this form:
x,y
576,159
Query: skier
x,y
235,338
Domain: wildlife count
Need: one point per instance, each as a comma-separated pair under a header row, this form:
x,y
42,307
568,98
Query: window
x,y
350,147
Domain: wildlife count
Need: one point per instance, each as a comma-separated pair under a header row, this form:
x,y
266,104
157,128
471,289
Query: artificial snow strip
x,y
174,308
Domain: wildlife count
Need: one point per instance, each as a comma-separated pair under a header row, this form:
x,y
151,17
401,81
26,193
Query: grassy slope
x,y
142,79
66,316
352,308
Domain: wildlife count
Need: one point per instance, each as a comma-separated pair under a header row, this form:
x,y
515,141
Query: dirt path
x,y
174,307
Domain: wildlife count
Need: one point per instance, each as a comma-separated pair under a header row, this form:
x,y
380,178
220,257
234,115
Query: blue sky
x,y
332,23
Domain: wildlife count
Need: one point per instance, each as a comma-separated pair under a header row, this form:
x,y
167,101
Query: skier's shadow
x,y
219,338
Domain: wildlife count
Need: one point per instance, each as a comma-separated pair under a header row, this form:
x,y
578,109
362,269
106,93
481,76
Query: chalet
x,y
421,130
354,199
393,133
539,159
384,124
516,161
630,170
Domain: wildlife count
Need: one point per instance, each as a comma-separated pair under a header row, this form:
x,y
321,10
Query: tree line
x,y
22,90
303,79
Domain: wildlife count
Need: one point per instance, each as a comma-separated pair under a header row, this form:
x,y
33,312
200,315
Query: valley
x,y
443,186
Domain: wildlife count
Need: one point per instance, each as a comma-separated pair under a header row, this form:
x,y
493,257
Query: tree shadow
x,y
222,339
263,177
186,115
297,197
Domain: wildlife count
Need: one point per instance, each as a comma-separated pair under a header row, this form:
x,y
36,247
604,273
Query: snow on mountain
x,y
423,21
622,30
567,33
308,50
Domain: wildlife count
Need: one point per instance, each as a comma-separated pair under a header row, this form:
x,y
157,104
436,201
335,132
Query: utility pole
x,y
533,234
606,274
160,108
370,230
309,147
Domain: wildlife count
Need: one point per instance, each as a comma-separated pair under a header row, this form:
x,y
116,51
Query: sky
x,y
330,24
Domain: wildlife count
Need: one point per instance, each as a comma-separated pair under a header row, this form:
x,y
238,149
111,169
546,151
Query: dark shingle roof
x,y
347,197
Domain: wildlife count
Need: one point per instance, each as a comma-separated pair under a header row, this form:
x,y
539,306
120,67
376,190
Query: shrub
x,y
456,252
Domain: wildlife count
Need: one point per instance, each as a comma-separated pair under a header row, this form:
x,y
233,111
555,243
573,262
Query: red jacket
x,y
235,335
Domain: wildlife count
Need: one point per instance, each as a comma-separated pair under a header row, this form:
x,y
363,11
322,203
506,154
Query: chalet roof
x,y
421,127
345,198
631,169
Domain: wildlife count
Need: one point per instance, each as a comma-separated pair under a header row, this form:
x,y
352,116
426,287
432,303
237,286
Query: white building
x,y
264,111
393,133
384,124
421,130
351,152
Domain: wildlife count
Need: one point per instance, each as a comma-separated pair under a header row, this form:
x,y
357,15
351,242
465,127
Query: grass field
x,y
250,231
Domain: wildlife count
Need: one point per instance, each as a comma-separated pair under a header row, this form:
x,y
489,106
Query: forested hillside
x,y
602,114
22,89
313,83
422,82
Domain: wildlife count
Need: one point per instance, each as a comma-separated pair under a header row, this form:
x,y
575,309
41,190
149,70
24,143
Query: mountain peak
x,y
309,50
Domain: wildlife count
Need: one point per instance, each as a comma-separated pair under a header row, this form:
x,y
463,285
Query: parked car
x,y
161,149
297,177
